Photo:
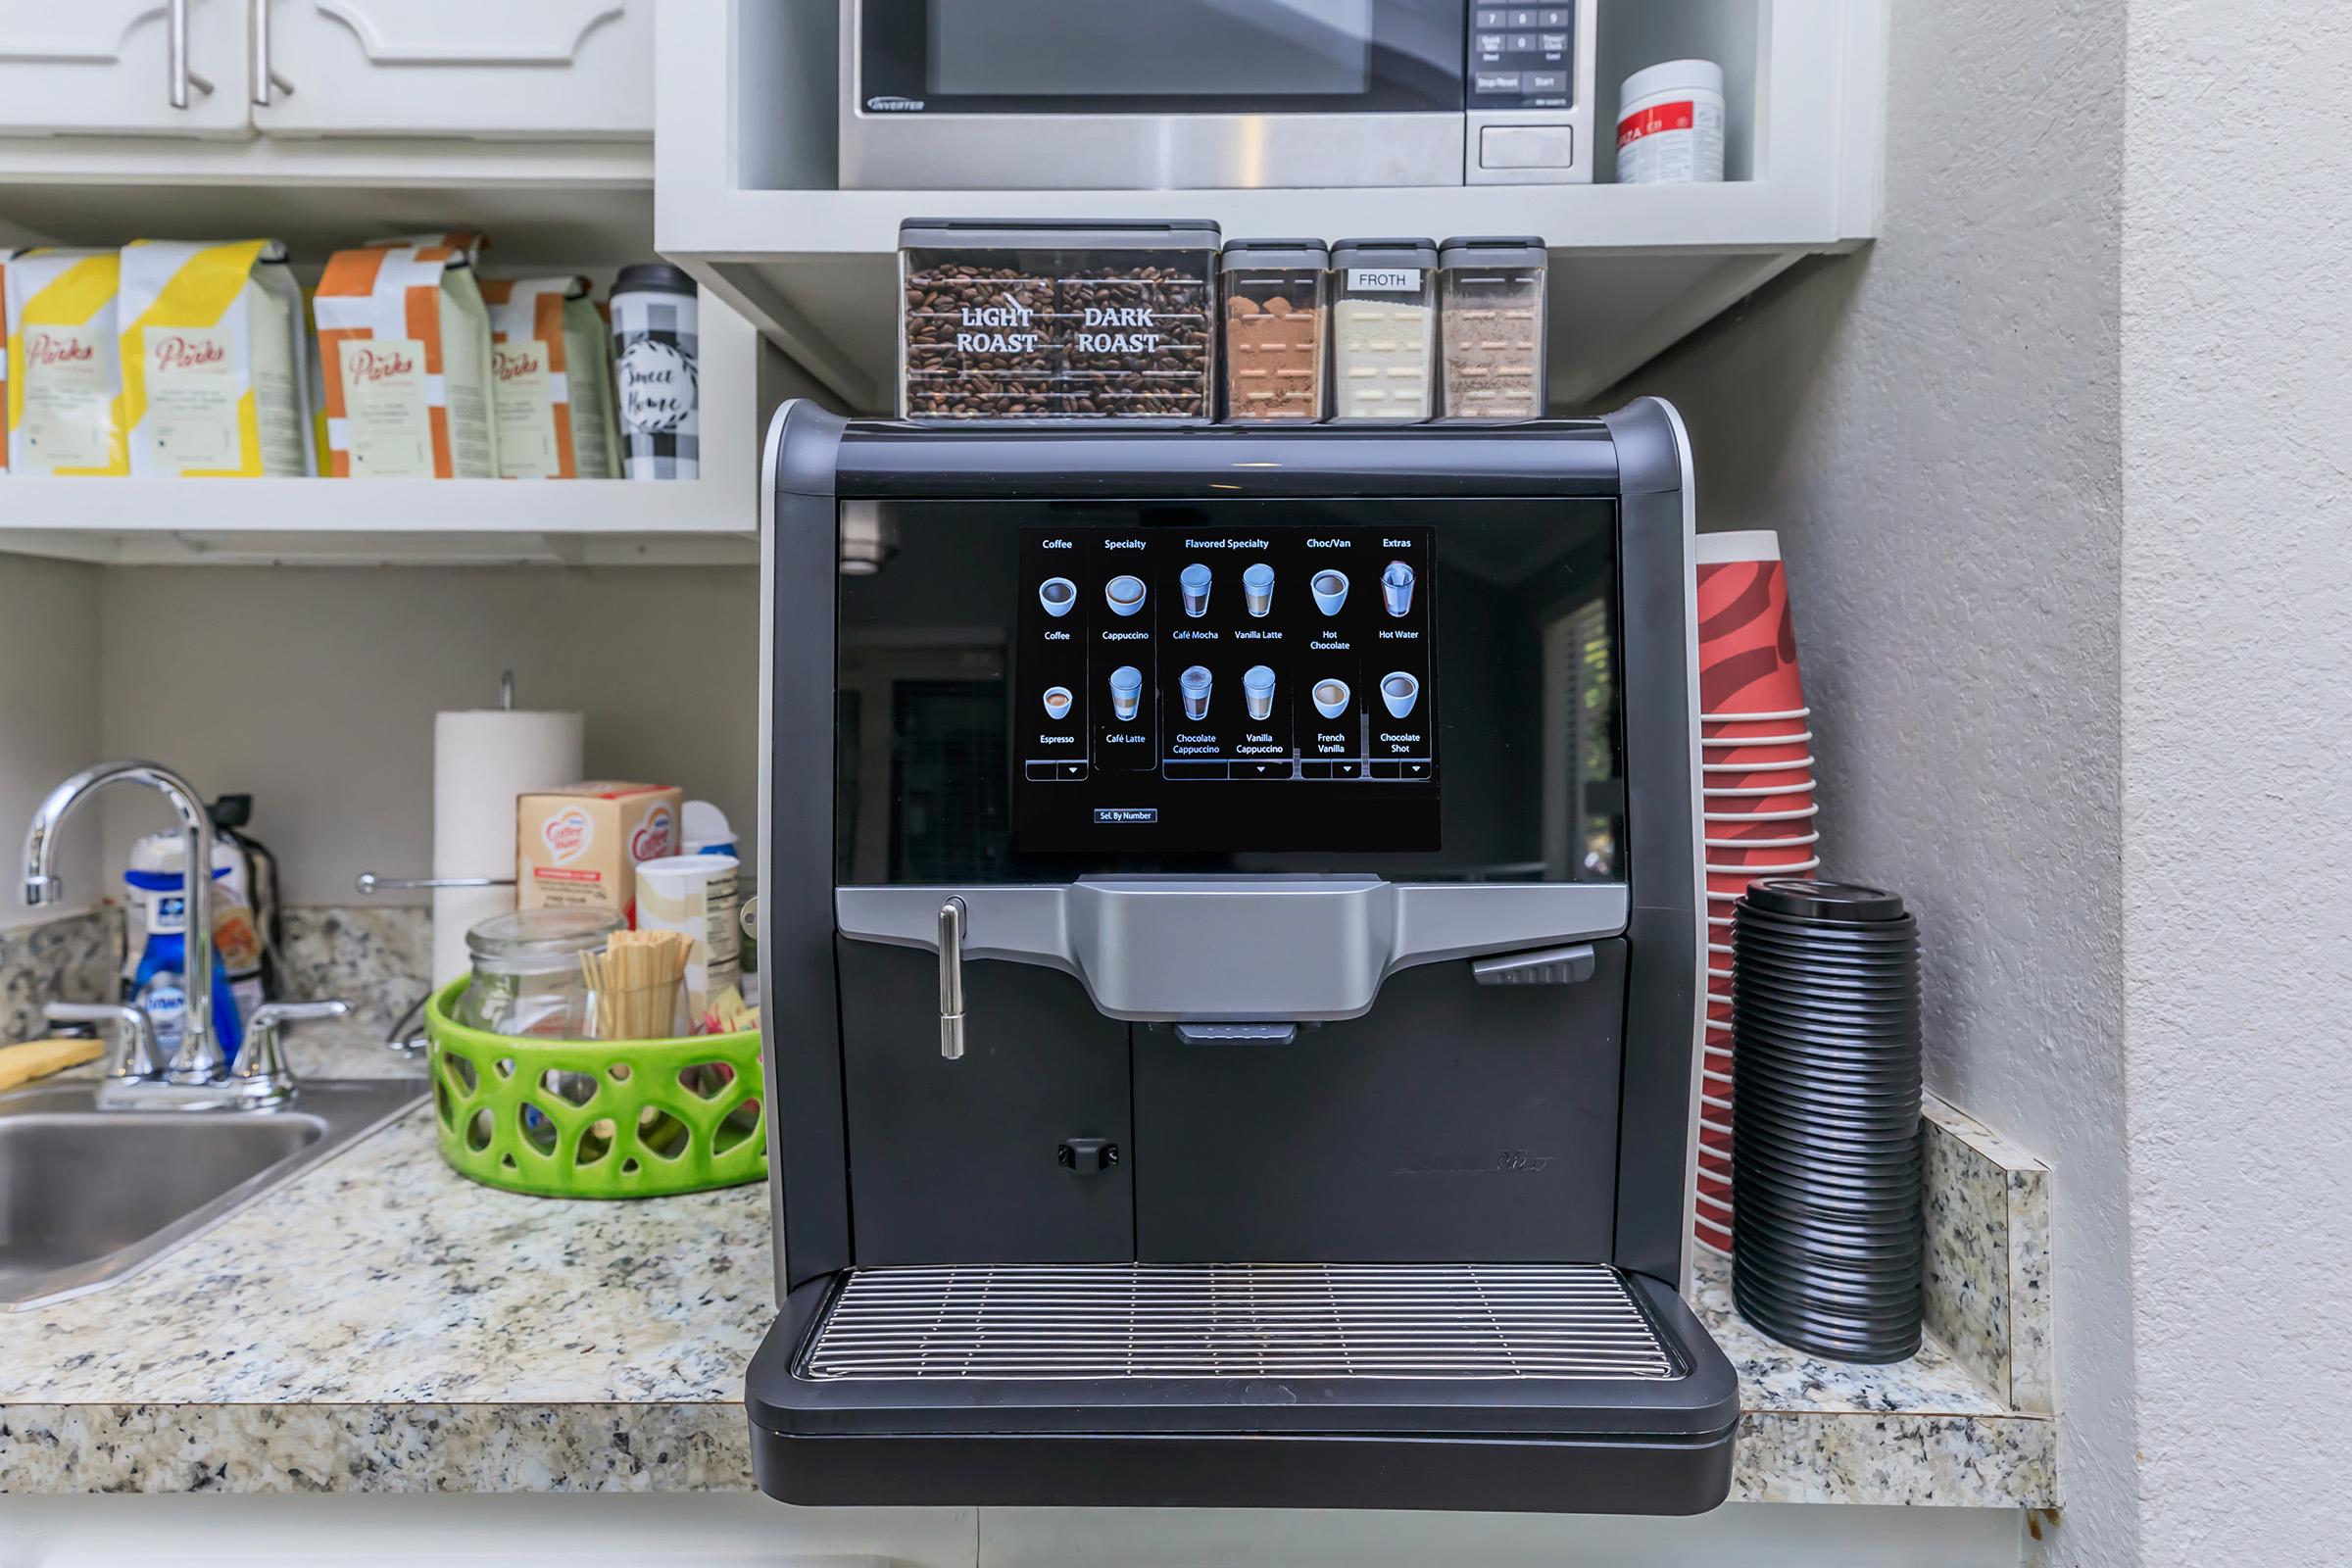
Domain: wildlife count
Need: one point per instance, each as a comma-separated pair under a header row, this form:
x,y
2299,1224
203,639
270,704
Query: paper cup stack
x,y
1756,762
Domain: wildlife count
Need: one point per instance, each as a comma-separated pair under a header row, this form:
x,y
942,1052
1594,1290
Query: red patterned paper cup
x,y
1746,638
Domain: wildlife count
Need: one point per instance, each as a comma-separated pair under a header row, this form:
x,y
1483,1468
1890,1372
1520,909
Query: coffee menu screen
x,y
1180,688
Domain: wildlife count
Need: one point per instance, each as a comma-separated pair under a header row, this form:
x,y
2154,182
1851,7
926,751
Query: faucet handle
x,y
260,1069
131,1041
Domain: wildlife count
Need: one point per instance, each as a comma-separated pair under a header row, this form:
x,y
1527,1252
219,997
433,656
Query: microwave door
x,y
1177,94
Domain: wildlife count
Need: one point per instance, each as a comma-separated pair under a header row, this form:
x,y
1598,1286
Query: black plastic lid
x,y
1390,252
230,811
1275,254
653,277
1806,900
1493,250
1061,234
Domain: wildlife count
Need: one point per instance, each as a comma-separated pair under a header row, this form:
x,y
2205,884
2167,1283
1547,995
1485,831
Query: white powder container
x,y
1383,342
1670,124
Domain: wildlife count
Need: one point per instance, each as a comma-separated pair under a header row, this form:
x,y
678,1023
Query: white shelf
x,y
1634,267
157,521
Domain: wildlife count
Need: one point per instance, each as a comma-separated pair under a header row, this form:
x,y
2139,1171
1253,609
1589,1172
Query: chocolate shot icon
x,y
1194,583
1400,691
1126,691
1397,588
1194,684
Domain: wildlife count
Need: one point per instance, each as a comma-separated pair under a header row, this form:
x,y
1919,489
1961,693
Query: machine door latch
x,y
951,980
1086,1156
1547,967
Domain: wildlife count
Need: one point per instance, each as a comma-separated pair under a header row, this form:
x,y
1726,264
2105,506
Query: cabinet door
x,y
73,66
553,69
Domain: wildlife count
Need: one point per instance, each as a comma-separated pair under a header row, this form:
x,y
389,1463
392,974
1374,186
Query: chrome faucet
x,y
199,1059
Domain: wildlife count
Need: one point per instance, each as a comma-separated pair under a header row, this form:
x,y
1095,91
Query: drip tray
x,y
1493,1386
1444,1322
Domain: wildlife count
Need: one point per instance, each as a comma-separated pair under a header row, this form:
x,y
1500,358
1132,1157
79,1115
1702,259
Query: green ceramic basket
x,y
595,1118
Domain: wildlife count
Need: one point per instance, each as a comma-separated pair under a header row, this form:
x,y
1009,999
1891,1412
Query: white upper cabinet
x,y
170,68
570,70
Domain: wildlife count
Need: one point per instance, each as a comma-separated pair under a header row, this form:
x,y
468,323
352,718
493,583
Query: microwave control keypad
x,y
1519,56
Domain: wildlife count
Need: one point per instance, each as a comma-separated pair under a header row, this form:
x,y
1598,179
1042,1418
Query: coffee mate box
x,y
578,848
64,379
216,370
550,380
404,341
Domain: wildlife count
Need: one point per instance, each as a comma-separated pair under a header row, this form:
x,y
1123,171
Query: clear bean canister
x,y
1275,311
1384,328
1491,323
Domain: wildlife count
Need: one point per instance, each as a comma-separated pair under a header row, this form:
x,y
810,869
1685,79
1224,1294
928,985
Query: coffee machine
x,y
1230,917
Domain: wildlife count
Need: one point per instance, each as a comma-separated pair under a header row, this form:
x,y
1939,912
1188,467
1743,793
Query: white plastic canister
x,y
1670,124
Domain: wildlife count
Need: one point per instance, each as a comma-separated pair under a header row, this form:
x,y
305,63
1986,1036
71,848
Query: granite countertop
x,y
383,1324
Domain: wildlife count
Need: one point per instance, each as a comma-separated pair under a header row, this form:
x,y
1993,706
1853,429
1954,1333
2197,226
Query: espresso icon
x,y
1126,691
1194,684
1058,595
1400,691
1057,703
1257,589
1194,582
1397,588
1330,590
1257,691
1331,698
1126,595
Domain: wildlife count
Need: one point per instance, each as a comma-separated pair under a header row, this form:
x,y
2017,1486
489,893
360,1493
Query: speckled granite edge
x,y
374,1448
1988,1286
1884,1459
373,957
73,957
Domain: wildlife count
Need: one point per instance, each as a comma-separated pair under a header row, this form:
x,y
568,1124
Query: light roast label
x,y
388,419
193,385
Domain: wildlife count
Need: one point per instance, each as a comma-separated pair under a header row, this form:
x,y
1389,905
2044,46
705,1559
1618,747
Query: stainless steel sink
x,y
89,1197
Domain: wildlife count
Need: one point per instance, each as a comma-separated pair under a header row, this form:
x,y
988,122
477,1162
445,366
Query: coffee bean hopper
x,y
1230,925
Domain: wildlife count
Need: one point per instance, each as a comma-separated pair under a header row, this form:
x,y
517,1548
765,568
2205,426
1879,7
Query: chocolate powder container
x,y
1033,319
1491,322
1276,308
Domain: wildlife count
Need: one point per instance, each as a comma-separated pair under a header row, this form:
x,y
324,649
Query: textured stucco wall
x,y
2238,679
1932,426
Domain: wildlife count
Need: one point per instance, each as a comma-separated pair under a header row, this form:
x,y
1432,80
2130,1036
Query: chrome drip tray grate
x,y
1042,1322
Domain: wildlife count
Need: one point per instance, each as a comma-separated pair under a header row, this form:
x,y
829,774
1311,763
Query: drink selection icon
x,y
1057,703
1194,684
1058,595
1331,698
1330,589
1257,691
1126,595
1400,691
1257,589
1397,588
1194,583
1126,691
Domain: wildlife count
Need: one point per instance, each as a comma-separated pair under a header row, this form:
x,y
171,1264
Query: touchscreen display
x,y
1210,688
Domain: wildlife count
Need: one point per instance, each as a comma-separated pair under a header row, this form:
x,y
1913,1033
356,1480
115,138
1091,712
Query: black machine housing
x,y
1259,993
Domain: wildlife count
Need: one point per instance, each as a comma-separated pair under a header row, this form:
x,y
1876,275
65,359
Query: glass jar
x,y
1042,320
1491,322
1274,318
1382,334
526,972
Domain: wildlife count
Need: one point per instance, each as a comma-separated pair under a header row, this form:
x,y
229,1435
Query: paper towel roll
x,y
482,759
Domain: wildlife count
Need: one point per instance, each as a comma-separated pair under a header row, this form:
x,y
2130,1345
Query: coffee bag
x,y
552,381
215,375
404,341
65,382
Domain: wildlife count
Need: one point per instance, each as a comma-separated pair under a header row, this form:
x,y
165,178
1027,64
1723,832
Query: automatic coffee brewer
x,y
1230,926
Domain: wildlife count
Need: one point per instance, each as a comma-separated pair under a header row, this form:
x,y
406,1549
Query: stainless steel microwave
x,y
1202,94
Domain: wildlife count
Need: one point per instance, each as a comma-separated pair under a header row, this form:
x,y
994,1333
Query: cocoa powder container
x,y
1491,324
1042,320
1275,307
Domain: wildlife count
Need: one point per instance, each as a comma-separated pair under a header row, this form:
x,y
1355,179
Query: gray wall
x,y
48,717
1931,427
316,689
2237,677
